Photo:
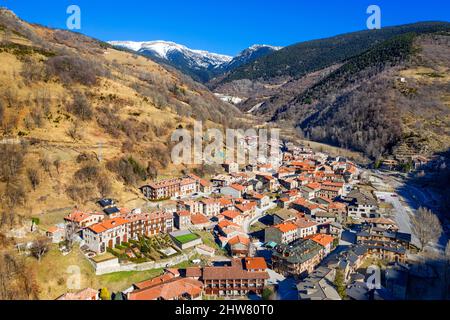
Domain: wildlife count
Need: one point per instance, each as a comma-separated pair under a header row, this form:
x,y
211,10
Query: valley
x,y
358,178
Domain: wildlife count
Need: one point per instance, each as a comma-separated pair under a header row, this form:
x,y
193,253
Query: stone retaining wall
x,y
114,266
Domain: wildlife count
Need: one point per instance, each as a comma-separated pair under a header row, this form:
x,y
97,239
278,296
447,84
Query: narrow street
x,y
259,214
408,200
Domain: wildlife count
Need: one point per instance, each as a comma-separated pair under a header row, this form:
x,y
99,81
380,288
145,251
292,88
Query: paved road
x,y
259,214
402,214
410,199
287,290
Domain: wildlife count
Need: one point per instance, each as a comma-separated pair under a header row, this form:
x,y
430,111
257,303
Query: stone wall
x,y
115,266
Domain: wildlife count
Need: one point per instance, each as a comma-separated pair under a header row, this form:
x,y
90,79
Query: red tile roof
x,y
305,223
183,213
237,187
322,239
77,216
255,263
199,219
85,294
286,227
231,214
234,272
106,225
246,207
155,281
169,290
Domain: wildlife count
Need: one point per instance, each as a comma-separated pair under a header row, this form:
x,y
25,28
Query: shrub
x,y
104,294
71,69
80,107
128,169
88,173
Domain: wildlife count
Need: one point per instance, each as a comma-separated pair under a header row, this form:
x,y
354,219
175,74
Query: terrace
x,y
146,249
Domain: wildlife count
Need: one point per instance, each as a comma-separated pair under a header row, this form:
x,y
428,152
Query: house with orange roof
x,y
261,200
306,227
269,182
211,207
226,203
149,224
177,288
284,202
307,192
289,183
182,219
303,180
330,192
80,220
267,167
56,234
235,190
285,171
307,207
256,264
106,234
302,166
234,216
202,185
325,240
81,295
247,209
199,221
229,229
285,232
238,246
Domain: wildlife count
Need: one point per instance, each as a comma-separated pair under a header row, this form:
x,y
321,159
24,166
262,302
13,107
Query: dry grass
x,y
53,274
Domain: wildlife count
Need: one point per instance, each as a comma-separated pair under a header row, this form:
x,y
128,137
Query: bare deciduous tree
x,y
46,165
74,132
11,161
33,177
426,226
17,279
39,248
104,186
57,164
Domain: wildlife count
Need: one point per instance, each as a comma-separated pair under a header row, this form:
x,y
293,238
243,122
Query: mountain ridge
x,y
202,65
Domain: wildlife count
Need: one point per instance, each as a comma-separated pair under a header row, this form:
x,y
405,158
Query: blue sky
x,y
226,26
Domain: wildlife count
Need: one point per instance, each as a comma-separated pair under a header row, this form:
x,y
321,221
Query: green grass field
x,y
187,238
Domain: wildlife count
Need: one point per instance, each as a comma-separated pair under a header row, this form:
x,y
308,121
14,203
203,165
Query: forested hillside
x,y
80,120
300,59
388,94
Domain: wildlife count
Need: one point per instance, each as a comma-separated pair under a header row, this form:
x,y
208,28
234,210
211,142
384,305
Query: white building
x,y
106,234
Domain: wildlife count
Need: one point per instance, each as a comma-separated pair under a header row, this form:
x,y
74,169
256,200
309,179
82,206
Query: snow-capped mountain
x,y
250,54
168,50
200,64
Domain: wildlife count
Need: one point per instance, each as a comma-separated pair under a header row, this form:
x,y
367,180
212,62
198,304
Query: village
x,y
310,227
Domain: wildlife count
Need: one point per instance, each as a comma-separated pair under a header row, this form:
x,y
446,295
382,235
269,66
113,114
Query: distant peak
x,y
259,46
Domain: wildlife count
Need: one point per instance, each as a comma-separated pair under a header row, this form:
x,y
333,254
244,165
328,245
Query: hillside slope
x,y
391,98
392,95
201,65
80,120
300,59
